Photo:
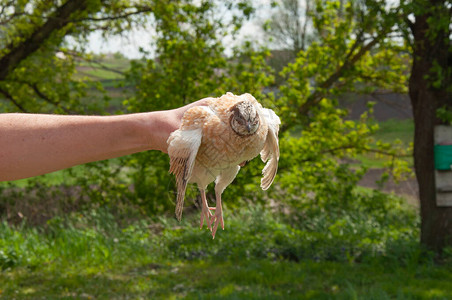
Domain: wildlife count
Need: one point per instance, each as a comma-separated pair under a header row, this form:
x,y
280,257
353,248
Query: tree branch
x,y
35,88
46,98
365,149
11,98
358,41
318,94
18,53
111,18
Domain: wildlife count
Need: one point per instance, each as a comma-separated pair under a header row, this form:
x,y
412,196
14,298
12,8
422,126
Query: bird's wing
x,y
183,146
270,152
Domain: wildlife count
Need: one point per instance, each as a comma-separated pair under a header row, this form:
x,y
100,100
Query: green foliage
x,y
342,61
321,147
322,144
248,71
42,81
368,228
444,114
188,53
315,159
370,246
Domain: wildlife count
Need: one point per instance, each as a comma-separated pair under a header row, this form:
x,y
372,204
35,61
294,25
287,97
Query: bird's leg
x,y
225,178
205,211
218,214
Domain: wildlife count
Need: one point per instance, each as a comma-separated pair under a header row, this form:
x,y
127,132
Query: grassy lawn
x,y
391,131
107,69
258,256
142,278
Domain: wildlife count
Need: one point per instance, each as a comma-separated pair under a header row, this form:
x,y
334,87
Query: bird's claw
x,y
206,214
212,219
209,217
218,220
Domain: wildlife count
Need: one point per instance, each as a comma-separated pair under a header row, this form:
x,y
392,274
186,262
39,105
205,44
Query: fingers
x,y
179,112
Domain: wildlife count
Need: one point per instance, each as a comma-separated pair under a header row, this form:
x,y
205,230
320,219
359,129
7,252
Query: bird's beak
x,y
248,127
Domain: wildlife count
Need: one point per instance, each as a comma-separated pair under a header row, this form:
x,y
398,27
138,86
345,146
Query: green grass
x,y
368,253
252,279
104,74
96,72
392,130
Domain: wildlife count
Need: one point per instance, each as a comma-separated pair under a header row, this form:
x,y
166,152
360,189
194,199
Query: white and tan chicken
x,y
212,143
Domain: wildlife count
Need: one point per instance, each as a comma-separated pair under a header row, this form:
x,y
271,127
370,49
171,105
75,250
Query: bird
x,y
213,142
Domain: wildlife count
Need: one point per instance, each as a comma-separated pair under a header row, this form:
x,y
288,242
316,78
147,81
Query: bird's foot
x,y
208,216
218,220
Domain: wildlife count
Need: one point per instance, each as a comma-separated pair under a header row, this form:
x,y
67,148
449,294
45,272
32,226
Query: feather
x,y
183,147
270,152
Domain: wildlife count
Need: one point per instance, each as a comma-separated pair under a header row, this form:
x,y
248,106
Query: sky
x,y
129,45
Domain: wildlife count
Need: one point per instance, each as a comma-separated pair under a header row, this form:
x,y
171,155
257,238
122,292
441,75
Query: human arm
x,y
35,144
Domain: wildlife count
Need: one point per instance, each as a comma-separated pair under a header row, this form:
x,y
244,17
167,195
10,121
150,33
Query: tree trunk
x,y
430,50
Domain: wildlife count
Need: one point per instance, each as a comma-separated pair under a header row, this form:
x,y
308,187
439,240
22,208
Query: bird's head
x,y
244,119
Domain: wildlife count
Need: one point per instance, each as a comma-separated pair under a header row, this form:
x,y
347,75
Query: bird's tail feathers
x,y
180,204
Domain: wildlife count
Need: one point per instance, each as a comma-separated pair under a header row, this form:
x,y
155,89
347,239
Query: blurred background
x,y
343,217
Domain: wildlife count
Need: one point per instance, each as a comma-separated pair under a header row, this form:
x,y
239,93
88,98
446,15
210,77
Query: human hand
x,y
175,115
169,121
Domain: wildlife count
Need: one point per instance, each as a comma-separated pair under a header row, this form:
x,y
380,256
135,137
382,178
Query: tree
x,y
430,89
290,24
430,83
32,78
290,31
353,53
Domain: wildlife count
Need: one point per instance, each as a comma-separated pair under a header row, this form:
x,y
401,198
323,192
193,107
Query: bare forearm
x,y
36,144
32,145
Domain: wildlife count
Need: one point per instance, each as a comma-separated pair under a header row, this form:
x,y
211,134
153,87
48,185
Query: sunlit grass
x,y
259,255
391,131
394,129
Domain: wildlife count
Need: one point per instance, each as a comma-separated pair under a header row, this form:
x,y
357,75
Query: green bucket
x,y
443,157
